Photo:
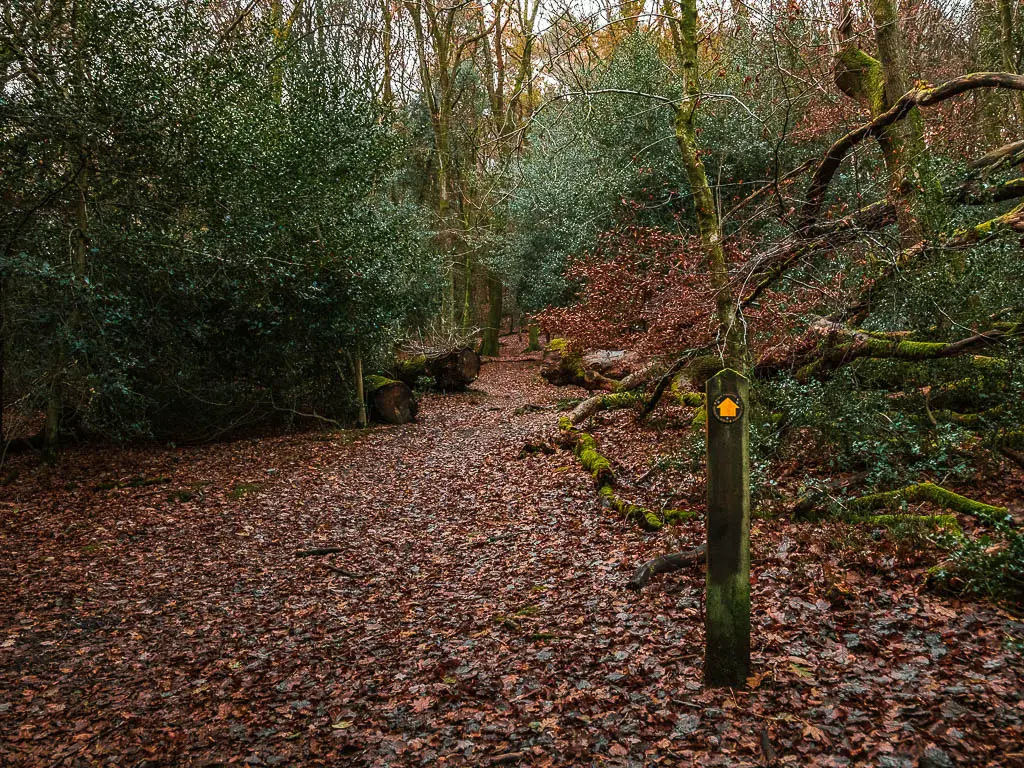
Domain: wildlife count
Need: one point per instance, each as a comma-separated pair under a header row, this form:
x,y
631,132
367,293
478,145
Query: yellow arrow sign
x,y
728,408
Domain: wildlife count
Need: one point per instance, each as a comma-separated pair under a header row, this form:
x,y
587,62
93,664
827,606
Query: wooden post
x,y
727,606
360,394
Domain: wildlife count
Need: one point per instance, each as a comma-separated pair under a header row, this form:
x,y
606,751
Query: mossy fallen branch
x,y
584,446
597,465
647,519
862,345
933,494
667,564
614,401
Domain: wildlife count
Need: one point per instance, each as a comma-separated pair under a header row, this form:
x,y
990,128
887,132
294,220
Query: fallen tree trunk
x,y
859,344
622,397
451,371
455,370
391,401
934,494
666,564
592,405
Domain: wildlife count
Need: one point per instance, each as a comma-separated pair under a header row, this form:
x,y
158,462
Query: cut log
x,y
454,370
666,564
390,401
614,363
563,365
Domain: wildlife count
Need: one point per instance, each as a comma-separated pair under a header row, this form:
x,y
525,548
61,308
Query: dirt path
x,y
171,624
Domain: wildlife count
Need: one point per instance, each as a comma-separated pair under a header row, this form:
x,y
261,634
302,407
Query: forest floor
x,y
153,612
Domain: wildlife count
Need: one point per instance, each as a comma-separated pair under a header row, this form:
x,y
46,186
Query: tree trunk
x,y
392,401
360,393
914,190
730,323
489,346
534,345
455,370
1007,49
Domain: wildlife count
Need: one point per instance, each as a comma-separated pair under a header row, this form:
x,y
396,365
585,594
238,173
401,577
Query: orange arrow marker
x,y
728,408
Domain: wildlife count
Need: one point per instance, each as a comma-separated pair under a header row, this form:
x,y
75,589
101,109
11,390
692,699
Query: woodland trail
x,y
171,623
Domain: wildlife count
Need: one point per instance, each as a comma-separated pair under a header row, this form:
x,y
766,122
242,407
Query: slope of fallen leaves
x,y
154,614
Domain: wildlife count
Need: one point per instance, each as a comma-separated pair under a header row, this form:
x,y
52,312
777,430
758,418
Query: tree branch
x,y
918,97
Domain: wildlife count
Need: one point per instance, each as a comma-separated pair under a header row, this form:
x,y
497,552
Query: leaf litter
x,y
474,613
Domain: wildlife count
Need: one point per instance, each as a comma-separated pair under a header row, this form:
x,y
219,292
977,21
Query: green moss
x,y
919,350
558,345
373,383
621,400
859,75
645,518
933,494
989,363
410,369
986,228
679,516
597,465
691,399
564,424
700,418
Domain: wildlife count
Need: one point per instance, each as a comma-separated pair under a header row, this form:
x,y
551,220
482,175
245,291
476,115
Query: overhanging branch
x,y
918,97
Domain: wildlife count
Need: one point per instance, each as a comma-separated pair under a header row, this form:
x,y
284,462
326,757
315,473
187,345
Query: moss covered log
x,y
600,468
391,401
647,519
597,465
452,371
410,369
861,345
1011,221
932,494
614,401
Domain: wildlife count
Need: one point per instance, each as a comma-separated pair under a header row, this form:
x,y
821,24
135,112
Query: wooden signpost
x,y
727,607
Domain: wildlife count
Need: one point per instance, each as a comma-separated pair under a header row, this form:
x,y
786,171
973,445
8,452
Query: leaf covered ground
x,y
154,613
